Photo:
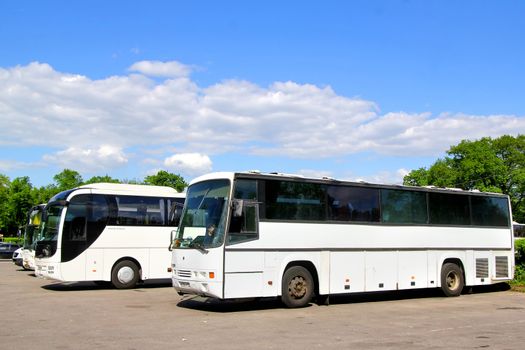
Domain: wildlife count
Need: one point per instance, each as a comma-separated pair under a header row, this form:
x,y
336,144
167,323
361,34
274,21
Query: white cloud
x,y
192,164
394,177
423,134
381,177
9,165
104,157
171,69
316,174
40,106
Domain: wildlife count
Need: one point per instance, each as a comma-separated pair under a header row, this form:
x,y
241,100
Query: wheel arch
x,y
129,258
454,260
308,265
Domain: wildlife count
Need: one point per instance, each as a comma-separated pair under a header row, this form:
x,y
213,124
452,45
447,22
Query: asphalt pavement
x,y
49,315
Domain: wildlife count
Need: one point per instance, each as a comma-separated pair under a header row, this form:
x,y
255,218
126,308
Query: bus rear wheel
x,y
452,281
125,275
297,287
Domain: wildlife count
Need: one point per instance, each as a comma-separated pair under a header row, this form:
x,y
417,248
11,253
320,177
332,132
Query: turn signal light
x,y
211,275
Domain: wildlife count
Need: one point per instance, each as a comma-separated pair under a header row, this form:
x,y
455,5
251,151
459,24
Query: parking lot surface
x,y
48,315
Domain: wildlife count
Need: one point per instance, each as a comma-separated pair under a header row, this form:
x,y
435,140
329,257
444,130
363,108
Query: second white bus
x,y
115,233
246,235
31,236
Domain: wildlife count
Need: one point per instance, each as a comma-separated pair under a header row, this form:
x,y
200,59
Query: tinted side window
x,y
175,206
86,218
137,211
449,209
245,189
353,204
244,212
404,207
490,211
287,200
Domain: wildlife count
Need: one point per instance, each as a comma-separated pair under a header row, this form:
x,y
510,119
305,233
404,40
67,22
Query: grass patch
x,y
518,283
16,240
517,287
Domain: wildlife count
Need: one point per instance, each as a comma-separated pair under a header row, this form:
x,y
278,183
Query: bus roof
x,y
326,180
133,189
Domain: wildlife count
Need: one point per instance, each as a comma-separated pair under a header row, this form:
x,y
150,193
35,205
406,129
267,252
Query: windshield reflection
x,y
51,222
46,245
203,221
32,229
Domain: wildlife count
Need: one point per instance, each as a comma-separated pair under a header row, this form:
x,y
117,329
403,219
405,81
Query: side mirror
x,y
170,247
237,206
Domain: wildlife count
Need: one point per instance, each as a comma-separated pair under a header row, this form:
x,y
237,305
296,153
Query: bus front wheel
x,y
452,281
297,287
125,275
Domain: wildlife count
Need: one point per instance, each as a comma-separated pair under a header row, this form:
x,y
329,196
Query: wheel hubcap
x,y
452,281
125,274
298,287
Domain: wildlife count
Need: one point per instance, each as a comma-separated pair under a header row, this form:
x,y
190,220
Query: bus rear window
x,y
490,211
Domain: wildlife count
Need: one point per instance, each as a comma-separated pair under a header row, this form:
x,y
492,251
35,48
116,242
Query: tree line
x,y
19,195
489,165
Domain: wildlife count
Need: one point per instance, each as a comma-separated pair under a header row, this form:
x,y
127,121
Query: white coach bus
x,y
116,233
31,232
262,235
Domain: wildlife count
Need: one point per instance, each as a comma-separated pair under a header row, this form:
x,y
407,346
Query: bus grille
x,y
502,266
482,268
184,273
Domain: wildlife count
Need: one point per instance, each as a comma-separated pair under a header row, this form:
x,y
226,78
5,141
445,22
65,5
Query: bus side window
x,y
175,212
244,213
78,229
243,223
86,218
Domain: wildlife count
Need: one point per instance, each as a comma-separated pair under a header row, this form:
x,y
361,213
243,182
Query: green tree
x,y
477,166
67,179
105,178
132,181
43,194
512,151
493,165
19,202
441,174
418,177
4,196
163,178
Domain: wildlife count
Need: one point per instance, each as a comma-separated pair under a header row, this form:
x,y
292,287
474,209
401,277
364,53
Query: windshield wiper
x,y
199,247
203,198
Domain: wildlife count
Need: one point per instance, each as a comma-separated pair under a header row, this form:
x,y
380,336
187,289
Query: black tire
x,y
297,287
125,275
452,281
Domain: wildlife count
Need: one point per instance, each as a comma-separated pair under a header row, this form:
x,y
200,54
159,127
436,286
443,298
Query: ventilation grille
x,y
482,268
183,273
502,266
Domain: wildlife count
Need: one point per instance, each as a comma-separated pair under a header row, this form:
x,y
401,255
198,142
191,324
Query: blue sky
x,y
348,89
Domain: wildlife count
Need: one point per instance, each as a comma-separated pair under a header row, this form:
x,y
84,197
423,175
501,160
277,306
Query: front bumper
x,y
48,271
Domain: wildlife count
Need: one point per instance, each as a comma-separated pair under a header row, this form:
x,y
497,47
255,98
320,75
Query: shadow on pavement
x,y
29,272
103,285
239,305
231,305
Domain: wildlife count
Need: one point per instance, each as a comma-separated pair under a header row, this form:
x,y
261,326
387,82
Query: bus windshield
x,y
32,228
203,221
51,222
